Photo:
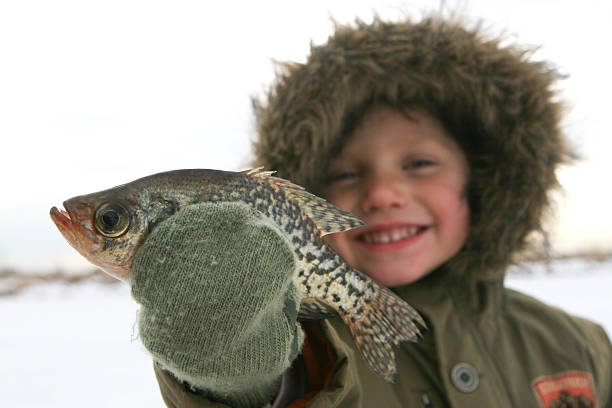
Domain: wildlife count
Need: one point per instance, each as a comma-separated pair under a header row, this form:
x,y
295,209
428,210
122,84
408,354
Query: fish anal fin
x,y
386,321
314,309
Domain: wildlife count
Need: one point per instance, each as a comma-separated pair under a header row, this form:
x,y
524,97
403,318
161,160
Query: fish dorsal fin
x,y
325,215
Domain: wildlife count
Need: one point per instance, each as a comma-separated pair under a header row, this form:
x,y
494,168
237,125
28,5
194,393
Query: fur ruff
x,y
499,105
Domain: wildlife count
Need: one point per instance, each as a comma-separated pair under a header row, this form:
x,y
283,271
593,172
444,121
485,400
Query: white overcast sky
x,y
98,93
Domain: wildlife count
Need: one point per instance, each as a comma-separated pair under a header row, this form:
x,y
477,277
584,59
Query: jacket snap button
x,y
464,377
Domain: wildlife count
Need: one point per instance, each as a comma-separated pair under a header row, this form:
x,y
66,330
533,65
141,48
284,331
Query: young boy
x,y
446,142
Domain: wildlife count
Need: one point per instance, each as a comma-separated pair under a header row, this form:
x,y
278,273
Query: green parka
x,y
487,346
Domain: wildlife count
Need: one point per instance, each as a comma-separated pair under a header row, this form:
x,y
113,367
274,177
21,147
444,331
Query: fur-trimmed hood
x,y
499,105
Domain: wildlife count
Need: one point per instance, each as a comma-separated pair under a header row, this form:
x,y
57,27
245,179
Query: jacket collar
x,y
473,298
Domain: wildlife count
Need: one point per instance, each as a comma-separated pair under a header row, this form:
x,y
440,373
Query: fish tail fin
x,y
386,321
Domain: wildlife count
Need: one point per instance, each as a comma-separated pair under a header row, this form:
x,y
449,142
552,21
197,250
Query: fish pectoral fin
x,y
327,217
314,309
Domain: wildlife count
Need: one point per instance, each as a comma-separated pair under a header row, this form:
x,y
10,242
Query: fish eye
x,y
112,219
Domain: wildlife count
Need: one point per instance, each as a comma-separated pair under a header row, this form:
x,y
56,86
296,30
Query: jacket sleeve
x,y
598,342
603,361
177,395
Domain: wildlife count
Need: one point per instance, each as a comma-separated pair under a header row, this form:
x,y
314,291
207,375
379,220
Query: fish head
x,y
106,228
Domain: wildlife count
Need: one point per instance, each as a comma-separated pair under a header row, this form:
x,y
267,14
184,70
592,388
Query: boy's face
x,y
406,178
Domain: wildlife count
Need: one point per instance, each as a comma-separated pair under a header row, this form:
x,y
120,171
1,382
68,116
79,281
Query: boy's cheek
x,y
451,212
459,222
340,243
339,198
332,240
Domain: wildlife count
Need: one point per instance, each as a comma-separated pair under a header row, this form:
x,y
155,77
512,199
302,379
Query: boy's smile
x,y
388,236
406,177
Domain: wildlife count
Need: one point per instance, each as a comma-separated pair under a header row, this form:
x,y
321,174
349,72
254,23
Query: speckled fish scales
x,y
376,317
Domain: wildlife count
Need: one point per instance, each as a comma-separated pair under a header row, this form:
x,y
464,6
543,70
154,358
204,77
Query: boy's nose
x,y
381,193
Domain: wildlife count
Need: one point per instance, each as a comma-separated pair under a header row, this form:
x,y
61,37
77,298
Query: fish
x,y
109,226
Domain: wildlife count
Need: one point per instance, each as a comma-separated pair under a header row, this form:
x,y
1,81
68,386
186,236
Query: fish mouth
x,y
76,228
64,222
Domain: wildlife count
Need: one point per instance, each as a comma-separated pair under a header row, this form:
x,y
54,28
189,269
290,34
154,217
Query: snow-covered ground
x,y
579,287
75,346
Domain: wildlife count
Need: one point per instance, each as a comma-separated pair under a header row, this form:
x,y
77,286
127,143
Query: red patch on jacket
x,y
569,388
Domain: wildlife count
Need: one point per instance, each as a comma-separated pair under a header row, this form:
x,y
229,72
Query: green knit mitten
x,y
218,306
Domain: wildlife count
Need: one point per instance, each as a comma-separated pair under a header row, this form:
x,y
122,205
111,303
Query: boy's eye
x,y
419,164
345,175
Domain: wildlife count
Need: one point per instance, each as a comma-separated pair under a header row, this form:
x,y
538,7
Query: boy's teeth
x,y
386,237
